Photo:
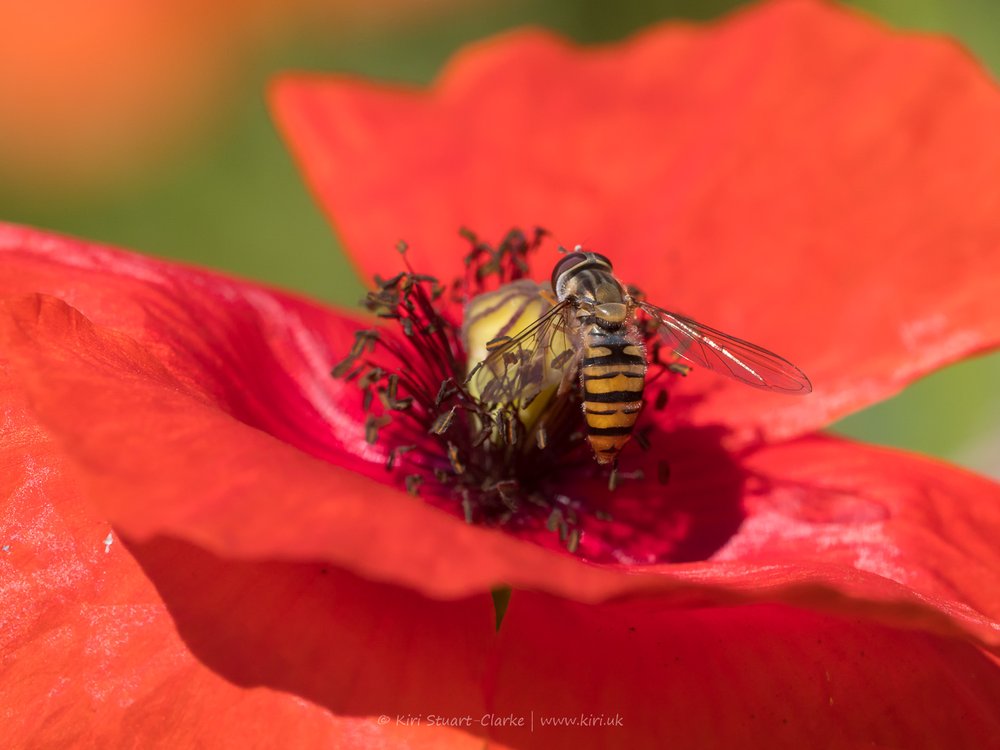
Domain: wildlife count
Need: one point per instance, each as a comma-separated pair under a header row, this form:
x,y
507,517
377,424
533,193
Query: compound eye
x,y
566,263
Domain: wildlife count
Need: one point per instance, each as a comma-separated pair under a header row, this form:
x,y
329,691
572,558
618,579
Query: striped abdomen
x,y
612,373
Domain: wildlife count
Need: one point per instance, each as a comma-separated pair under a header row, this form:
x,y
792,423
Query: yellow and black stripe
x,y
613,372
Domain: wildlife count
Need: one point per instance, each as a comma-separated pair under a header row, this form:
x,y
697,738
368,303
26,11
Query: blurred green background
x,y
209,180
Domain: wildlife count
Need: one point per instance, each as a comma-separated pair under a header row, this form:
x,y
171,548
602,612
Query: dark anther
x,y
443,421
663,472
661,400
573,540
413,482
372,425
453,457
445,391
395,453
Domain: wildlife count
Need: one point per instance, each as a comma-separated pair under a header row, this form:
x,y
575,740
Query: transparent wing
x,y
518,368
727,355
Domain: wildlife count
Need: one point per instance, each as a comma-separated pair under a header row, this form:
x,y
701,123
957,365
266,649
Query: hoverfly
x,y
590,331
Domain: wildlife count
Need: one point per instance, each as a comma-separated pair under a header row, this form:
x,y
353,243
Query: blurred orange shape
x,y
92,90
88,89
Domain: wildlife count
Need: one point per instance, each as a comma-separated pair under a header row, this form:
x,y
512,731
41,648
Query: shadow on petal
x,y
351,645
686,505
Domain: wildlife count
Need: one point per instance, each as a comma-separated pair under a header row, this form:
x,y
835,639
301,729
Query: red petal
x,y
922,523
795,175
262,356
750,677
206,420
91,653
908,539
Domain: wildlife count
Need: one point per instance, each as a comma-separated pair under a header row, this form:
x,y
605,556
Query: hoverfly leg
x,y
568,382
641,438
616,477
654,359
676,368
613,476
541,437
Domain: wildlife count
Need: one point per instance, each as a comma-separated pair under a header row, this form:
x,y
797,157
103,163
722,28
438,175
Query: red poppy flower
x,y
200,543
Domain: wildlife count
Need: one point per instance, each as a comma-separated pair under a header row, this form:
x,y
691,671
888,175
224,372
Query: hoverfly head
x,y
576,261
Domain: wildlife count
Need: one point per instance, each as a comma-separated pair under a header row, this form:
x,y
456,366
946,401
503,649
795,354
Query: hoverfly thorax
x,y
611,316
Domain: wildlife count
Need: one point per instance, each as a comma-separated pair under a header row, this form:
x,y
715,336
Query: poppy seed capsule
x,y
496,317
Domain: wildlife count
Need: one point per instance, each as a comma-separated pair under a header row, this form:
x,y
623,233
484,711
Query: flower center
x,y
503,463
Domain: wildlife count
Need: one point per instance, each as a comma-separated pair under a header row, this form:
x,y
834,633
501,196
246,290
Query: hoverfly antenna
x,y
563,250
